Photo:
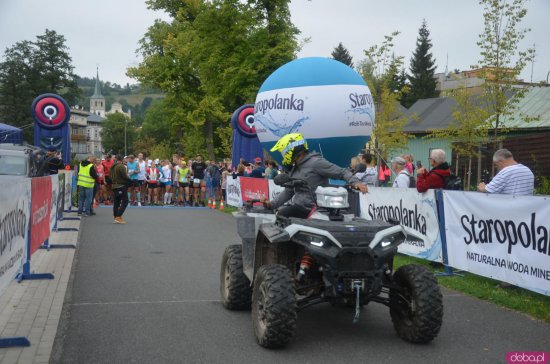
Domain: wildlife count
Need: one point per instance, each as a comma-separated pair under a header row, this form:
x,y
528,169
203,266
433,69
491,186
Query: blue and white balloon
x,y
325,100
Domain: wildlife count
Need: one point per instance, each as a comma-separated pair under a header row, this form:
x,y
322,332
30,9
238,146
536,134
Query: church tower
x,y
97,101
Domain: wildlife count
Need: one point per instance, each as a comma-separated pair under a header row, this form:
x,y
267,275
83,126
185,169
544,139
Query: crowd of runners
x,y
176,182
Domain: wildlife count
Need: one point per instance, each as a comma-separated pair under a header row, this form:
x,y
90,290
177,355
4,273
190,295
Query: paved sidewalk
x,y
33,308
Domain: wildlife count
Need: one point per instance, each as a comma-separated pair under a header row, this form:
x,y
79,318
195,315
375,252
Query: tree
x,y
501,61
33,68
340,53
380,70
422,69
118,134
212,58
469,128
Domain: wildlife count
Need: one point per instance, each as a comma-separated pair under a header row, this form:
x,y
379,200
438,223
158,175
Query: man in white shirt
x,y
513,178
402,179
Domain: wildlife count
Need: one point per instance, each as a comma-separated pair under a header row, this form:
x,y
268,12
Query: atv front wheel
x,y
234,285
416,308
274,306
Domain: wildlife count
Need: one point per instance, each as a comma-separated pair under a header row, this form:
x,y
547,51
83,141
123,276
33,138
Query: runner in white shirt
x,y
512,179
167,180
141,179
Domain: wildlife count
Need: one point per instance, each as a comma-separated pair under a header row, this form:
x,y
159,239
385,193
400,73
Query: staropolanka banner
x,y
15,197
414,210
503,237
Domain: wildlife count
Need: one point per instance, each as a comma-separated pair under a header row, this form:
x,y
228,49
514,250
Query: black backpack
x,y
452,182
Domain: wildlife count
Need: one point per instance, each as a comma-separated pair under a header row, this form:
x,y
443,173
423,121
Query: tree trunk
x,y
469,172
478,165
209,125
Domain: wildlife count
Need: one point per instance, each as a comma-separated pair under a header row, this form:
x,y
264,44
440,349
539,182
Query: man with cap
x,y
403,178
54,163
259,170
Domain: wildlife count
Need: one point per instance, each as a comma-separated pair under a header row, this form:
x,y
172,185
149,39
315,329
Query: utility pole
x,y
125,150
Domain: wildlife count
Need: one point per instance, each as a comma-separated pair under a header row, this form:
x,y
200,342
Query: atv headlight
x,y
312,239
332,198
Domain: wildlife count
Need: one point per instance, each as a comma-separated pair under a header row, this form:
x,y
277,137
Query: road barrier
x,y
502,237
29,212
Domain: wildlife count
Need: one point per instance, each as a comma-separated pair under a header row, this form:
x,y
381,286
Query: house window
x,y
95,133
95,148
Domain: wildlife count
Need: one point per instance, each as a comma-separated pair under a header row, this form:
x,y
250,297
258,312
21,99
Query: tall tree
x,y
380,69
118,134
341,53
501,61
210,59
422,68
32,68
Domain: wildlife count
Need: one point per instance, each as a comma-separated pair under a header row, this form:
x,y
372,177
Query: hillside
x,y
132,97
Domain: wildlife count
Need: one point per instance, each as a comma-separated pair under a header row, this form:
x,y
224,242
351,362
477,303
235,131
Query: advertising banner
x,y
417,211
15,194
254,188
61,196
502,237
41,195
53,201
274,190
234,191
68,188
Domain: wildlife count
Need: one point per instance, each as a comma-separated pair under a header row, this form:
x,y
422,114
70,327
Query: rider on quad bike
x,y
310,167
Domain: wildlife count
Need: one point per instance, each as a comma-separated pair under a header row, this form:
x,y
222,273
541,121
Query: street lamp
x,y
125,150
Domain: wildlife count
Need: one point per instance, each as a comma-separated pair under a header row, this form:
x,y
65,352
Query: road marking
x,y
140,302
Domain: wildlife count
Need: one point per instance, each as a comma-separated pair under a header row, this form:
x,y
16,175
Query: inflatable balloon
x,y
325,100
245,141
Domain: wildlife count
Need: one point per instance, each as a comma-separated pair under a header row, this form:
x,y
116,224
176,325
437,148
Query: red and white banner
x,y
41,196
254,189
15,197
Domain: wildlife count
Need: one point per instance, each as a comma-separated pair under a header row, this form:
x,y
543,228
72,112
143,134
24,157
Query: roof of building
x,y
535,104
93,118
428,114
97,91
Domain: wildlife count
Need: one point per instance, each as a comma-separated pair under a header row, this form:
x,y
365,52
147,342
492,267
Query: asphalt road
x,y
148,292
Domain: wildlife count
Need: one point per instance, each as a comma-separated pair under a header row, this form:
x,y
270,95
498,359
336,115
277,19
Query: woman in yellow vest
x,y
87,176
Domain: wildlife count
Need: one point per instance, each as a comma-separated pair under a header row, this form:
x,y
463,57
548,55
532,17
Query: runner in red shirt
x,y
107,163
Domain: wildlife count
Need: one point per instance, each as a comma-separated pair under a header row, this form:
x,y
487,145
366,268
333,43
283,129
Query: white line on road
x,y
141,302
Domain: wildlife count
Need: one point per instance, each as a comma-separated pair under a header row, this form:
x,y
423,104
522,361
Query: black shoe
x,y
92,213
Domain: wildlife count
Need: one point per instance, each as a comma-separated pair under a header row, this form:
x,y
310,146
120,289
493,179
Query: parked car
x,y
21,160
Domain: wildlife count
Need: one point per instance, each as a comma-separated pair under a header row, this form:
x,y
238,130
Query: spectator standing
x,y
402,179
274,169
121,181
53,161
384,174
436,177
369,174
513,178
259,170
86,181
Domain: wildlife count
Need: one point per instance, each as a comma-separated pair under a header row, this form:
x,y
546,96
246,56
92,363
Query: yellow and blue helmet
x,y
290,146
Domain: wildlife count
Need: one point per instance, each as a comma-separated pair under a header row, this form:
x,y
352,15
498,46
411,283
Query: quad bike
x,y
287,264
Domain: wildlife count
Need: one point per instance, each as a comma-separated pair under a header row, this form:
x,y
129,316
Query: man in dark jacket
x,y
310,167
54,163
436,177
120,183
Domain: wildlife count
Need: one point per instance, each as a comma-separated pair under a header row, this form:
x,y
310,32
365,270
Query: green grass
x,y
515,298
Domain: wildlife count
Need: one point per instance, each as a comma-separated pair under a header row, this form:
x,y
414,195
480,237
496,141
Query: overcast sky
x,y
106,32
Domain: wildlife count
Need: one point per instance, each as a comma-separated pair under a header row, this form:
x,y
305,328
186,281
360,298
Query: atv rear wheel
x,y
274,306
234,285
416,308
